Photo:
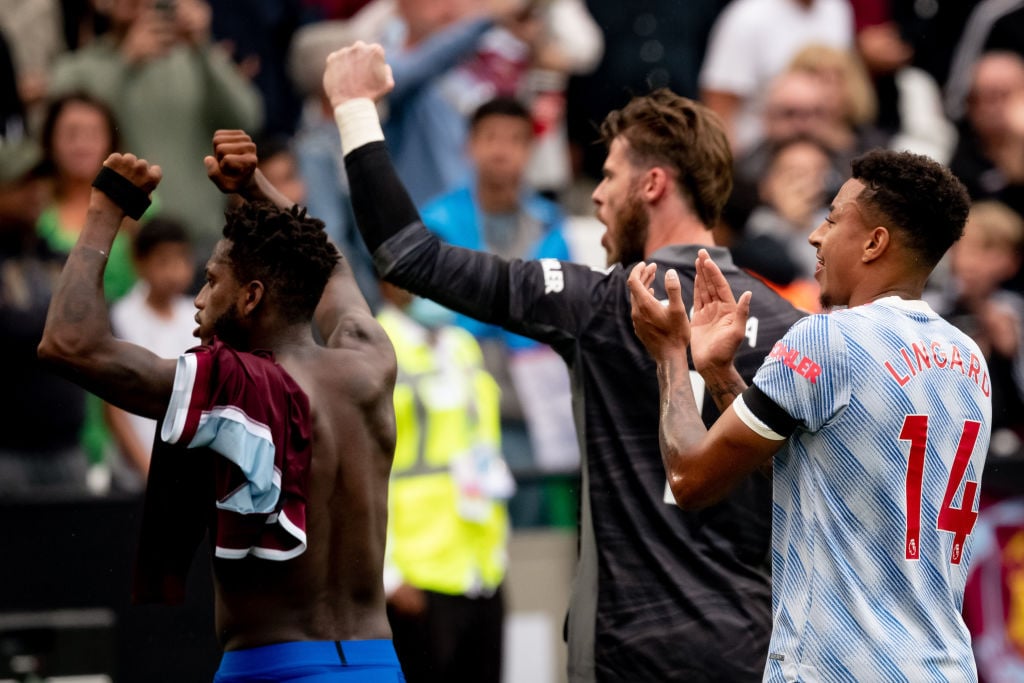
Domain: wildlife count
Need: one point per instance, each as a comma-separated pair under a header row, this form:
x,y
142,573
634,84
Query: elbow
x,y
690,492
59,351
51,354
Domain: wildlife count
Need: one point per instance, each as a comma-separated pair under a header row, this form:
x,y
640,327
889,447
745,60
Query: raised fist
x,y
233,163
358,70
138,172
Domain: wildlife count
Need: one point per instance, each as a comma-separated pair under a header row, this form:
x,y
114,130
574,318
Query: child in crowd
x,y
158,314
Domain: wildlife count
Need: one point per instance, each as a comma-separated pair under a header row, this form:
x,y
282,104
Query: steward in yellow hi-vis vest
x,y
447,518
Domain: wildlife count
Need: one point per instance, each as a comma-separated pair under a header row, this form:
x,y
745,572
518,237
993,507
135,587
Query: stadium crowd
x,y
493,126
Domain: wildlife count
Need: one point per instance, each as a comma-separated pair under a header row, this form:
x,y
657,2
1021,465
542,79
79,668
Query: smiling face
x,y
620,207
840,241
218,301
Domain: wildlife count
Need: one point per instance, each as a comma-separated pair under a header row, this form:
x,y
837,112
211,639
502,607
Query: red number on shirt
x,y
959,521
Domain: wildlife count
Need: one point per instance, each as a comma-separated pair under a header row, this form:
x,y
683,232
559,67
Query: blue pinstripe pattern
x,y
847,603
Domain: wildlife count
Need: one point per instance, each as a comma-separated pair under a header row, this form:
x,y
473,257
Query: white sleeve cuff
x,y
358,123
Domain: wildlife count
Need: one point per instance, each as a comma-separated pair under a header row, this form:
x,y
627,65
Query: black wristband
x,y
122,192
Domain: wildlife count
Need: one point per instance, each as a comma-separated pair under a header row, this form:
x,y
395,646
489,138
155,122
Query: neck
x,y
497,197
680,229
283,339
906,286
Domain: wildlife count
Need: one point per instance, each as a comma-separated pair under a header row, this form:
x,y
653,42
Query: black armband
x,y
122,192
769,412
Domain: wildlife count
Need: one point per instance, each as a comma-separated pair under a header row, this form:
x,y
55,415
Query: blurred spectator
x,y
279,166
906,49
987,256
40,414
316,144
746,50
930,28
12,111
158,315
885,53
570,43
498,213
850,104
993,26
648,45
989,157
852,107
793,200
259,34
447,521
35,31
530,55
795,106
170,89
425,128
79,132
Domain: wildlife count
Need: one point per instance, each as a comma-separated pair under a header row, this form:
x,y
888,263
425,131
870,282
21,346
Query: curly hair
x,y
918,196
663,128
286,250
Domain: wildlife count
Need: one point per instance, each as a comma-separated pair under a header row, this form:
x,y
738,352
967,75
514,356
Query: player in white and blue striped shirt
x,y
878,417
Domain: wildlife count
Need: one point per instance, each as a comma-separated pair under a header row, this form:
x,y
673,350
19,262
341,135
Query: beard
x,y
633,224
229,329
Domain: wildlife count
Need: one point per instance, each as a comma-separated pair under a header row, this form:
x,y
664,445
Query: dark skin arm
x,y
702,466
342,316
77,340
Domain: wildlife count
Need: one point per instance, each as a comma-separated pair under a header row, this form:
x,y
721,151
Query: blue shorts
x,y
313,661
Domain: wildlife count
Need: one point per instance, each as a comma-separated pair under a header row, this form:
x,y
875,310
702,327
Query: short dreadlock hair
x,y
286,250
917,196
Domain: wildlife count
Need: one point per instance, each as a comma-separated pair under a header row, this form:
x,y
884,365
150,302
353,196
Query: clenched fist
x,y
233,163
356,71
138,172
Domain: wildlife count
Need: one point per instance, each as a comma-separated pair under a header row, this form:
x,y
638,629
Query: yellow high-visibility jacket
x,y
443,536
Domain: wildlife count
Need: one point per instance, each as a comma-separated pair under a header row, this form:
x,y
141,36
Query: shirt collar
x,y
687,253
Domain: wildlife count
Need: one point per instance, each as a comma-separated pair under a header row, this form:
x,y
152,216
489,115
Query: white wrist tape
x,y
358,123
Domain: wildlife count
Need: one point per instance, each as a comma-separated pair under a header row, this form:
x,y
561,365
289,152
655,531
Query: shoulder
x,y
99,54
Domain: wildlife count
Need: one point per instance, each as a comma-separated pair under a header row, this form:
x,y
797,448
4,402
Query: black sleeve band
x,y
769,412
122,192
381,204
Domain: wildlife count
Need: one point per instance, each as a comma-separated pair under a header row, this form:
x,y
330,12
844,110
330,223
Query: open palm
x,y
719,320
663,329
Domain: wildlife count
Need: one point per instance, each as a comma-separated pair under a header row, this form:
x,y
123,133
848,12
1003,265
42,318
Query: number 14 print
x,y
958,521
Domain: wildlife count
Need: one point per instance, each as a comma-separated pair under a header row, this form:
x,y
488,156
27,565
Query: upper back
x,y
334,590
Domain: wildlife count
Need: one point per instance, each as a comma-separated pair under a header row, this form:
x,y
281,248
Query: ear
x,y
877,243
654,184
250,297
